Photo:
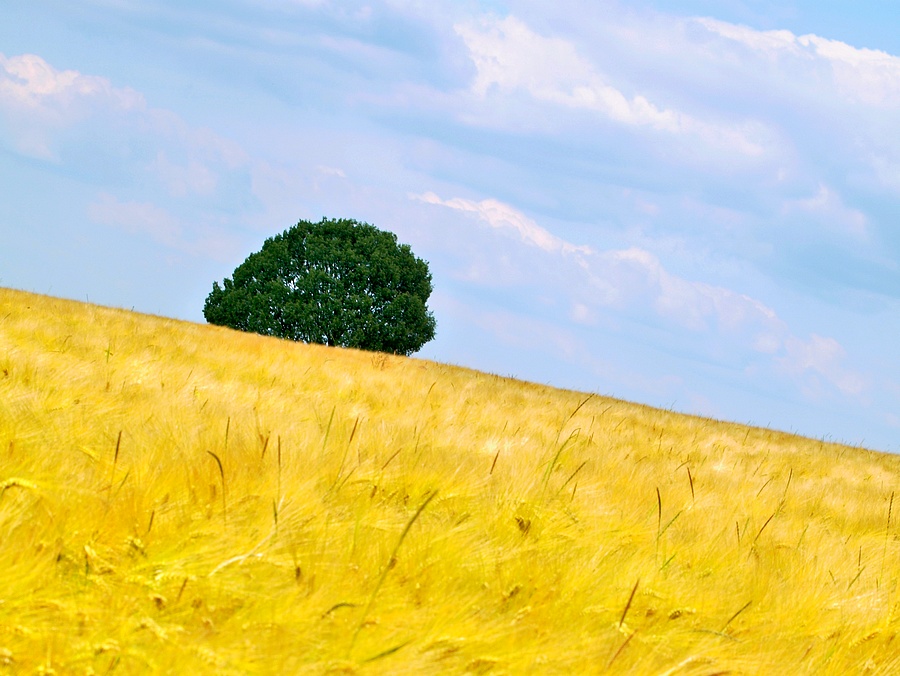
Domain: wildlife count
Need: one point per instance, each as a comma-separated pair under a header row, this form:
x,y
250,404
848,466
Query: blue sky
x,y
690,204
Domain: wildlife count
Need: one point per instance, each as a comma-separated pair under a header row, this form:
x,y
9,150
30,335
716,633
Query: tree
x,y
335,282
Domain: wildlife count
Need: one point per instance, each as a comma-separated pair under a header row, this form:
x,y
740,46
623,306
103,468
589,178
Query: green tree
x,y
335,282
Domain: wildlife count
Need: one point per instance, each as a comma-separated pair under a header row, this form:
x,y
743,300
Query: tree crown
x,y
336,282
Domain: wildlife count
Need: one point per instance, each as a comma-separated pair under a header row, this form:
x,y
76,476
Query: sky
x,y
688,204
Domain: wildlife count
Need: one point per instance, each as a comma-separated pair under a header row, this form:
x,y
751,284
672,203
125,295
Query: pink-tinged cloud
x,y
37,100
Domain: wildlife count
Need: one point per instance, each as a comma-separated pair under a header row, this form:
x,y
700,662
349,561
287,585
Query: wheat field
x,y
181,498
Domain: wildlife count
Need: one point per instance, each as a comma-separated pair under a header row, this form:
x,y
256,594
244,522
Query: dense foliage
x,y
335,282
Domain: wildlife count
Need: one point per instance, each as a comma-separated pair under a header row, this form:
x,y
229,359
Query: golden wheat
x,y
180,498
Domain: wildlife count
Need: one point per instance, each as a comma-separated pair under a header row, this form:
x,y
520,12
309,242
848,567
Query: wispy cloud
x,y
137,218
828,206
634,282
817,362
502,216
95,130
182,180
44,105
153,222
620,278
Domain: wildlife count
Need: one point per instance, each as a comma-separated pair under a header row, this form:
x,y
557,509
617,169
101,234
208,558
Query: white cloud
x,y
770,43
819,357
159,225
194,178
590,282
331,171
38,100
192,143
137,218
625,276
582,314
629,280
502,216
42,106
509,56
837,105
865,75
887,172
85,124
828,205
871,75
29,81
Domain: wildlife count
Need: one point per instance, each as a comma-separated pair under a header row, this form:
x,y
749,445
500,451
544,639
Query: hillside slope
x,y
180,498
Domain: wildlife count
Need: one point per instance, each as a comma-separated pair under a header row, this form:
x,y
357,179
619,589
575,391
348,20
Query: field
x,y
181,498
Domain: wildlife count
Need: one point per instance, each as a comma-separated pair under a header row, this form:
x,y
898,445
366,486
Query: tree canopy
x,y
335,282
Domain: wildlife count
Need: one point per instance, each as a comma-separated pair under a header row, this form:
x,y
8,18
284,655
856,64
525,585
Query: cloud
x,y
502,216
633,282
509,56
864,75
516,342
189,161
149,220
828,206
632,275
194,178
816,359
137,218
38,100
29,81
59,115
331,171
837,107
629,280
174,173
887,172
